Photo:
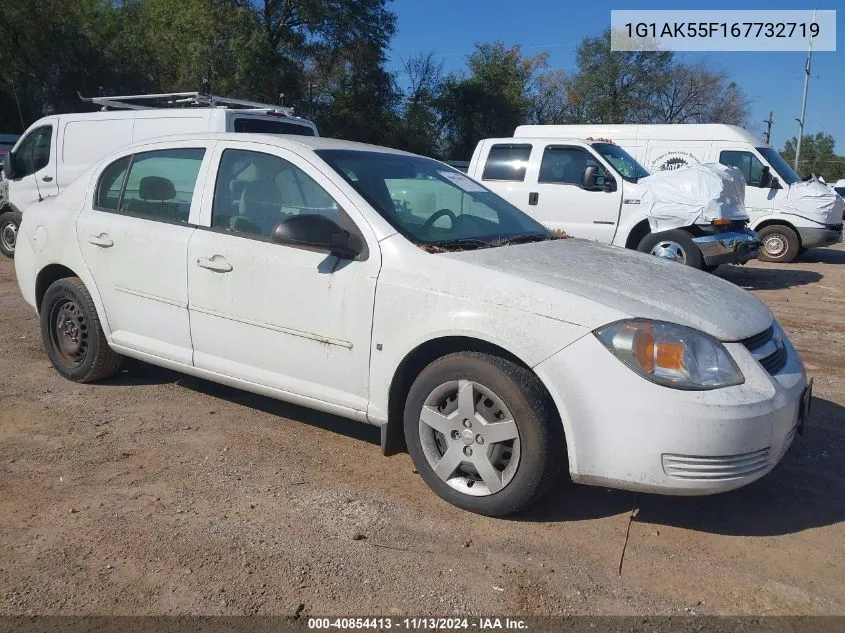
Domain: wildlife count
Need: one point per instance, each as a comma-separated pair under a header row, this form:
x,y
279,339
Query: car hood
x,y
632,283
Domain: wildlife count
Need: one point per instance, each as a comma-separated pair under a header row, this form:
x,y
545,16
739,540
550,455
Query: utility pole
x,y
767,135
807,66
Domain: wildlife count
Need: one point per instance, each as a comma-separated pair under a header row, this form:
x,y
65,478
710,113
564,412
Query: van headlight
x,y
671,355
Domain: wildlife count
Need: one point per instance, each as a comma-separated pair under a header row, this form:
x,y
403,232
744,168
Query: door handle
x,y
47,178
217,263
101,240
533,198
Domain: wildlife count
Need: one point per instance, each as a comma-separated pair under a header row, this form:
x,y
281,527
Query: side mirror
x,y
8,168
765,178
318,233
590,178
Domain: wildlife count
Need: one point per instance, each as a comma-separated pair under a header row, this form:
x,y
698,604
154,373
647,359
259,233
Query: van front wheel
x,y
10,222
675,245
778,243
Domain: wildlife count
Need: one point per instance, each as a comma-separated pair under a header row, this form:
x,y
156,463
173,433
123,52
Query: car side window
x,y
160,184
33,154
257,191
746,162
107,195
566,165
507,162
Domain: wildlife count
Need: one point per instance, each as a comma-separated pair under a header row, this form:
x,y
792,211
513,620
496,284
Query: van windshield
x,y
786,173
622,161
431,204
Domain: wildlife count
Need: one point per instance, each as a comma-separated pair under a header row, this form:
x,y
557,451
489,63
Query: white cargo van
x,y
56,149
789,215
595,190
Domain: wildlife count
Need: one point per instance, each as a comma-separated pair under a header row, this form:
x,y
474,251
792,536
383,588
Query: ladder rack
x,y
180,99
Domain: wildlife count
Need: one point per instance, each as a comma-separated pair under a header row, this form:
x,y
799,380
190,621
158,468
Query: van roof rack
x,y
180,99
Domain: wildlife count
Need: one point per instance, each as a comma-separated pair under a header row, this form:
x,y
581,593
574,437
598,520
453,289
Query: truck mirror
x,y
590,177
765,178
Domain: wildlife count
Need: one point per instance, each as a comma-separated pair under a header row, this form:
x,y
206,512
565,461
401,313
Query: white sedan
x,y
392,289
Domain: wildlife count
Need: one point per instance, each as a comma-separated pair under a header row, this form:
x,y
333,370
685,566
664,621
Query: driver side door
x,y
291,319
562,203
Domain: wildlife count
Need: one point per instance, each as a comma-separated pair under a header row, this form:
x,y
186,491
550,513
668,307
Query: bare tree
x,y
425,76
549,96
696,94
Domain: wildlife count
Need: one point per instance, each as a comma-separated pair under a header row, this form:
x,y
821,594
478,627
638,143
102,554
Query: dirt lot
x,y
156,493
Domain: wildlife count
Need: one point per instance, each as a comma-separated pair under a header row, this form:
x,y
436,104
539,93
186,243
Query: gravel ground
x,y
157,493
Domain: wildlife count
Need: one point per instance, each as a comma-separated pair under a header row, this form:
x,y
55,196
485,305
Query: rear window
x,y
266,126
507,162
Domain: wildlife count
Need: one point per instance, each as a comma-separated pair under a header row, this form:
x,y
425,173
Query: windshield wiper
x,y
522,238
460,242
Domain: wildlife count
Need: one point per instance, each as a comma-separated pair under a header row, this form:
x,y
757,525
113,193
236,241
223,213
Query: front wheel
x,y
675,245
72,336
778,243
482,433
10,222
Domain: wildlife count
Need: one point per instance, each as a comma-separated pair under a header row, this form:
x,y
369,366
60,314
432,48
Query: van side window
x,y
256,191
160,184
33,154
107,196
565,165
263,126
507,162
746,162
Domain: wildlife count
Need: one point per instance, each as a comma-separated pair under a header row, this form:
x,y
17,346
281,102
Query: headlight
x,y
671,355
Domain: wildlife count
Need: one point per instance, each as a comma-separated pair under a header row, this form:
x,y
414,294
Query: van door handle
x,y
102,239
533,197
217,263
47,178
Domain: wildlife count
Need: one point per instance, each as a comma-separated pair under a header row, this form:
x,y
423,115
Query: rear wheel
x,y
675,245
72,336
482,433
778,243
10,222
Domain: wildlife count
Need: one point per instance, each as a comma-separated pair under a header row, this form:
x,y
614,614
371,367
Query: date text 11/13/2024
x,y
419,623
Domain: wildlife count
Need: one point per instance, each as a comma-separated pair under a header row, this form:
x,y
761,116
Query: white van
x,y
56,149
789,215
595,190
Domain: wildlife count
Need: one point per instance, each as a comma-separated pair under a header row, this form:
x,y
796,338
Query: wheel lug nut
x,y
455,435
479,439
467,451
467,424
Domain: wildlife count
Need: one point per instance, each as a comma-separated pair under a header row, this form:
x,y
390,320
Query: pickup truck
x,y
593,189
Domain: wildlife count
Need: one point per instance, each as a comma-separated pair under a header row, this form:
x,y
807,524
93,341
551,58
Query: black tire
x,y
72,336
691,253
540,434
10,222
787,241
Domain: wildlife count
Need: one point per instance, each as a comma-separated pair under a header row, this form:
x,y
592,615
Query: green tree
x,y
817,156
489,101
617,87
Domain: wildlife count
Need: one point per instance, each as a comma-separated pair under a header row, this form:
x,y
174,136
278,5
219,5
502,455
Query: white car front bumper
x,y
624,431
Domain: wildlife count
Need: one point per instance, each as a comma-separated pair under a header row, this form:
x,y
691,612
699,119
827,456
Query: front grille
x,y
717,468
768,349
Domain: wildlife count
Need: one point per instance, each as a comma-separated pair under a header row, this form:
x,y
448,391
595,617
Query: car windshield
x,y
432,204
622,161
784,171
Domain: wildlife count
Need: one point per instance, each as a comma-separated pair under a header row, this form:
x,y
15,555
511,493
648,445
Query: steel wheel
x,y
8,236
775,245
469,438
68,333
670,250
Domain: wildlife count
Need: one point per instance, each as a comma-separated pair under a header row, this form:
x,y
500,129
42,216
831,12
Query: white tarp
x,y
813,200
695,194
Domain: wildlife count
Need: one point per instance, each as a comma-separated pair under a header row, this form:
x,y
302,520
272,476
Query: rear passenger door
x,y
133,233
504,172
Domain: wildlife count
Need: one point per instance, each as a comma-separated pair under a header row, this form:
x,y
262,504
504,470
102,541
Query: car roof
x,y
290,141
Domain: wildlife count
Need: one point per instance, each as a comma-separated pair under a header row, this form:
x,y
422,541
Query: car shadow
x,y
822,256
135,373
804,491
766,278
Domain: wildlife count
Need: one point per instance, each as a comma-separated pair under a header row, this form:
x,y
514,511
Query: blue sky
x,y
772,80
